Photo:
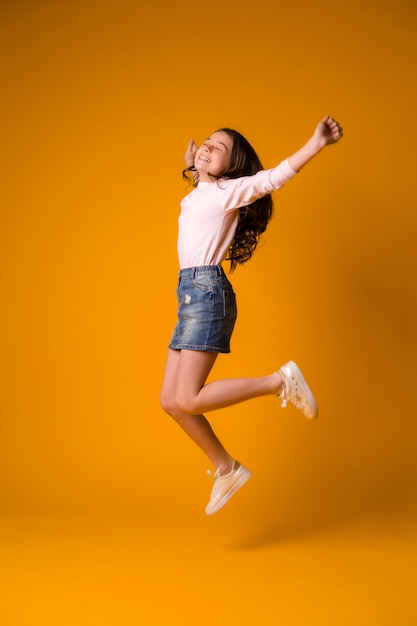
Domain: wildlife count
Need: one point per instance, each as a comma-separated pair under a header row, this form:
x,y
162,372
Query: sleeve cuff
x,y
282,173
287,169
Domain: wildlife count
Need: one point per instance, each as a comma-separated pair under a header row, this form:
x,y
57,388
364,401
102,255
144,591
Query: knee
x,y
186,404
168,404
177,405
175,408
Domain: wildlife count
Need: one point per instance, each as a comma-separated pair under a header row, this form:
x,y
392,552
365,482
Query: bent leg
x,y
196,426
193,396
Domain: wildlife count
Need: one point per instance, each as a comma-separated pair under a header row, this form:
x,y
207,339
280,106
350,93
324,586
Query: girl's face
x,y
213,157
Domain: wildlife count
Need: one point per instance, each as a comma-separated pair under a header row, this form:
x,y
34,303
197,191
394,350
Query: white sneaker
x,y
226,485
296,391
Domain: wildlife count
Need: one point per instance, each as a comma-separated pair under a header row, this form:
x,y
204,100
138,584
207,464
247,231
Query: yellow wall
x,y
100,100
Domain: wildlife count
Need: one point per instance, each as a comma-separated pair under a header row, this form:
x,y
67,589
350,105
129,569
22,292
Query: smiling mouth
x,y
205,159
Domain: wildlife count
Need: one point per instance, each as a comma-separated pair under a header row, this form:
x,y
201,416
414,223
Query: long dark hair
x,y
253,218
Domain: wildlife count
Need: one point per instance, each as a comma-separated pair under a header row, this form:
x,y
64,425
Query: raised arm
x,y
190,153
327,132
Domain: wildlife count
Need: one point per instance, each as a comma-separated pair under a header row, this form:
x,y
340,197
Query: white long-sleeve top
x,y
209,215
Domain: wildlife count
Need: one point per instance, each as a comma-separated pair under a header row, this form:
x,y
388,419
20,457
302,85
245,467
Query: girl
x,y
222,219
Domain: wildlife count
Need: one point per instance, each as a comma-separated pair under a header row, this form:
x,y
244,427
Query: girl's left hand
x,y
190,153
328,131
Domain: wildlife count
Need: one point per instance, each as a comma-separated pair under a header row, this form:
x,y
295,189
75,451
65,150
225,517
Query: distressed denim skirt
x,y
206,310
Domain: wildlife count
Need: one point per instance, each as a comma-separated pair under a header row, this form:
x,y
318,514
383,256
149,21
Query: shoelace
x,y
216,474
216,491
294,398
283,396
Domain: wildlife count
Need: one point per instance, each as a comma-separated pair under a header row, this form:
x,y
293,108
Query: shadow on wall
x,y
359,463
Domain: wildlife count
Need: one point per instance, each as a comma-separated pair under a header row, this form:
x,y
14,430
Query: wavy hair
x,y
253,218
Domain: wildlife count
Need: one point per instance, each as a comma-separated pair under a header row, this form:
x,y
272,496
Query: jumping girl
x,y
221,219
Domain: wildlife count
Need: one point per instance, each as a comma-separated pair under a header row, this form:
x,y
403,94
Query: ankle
x,y
278,383
226,467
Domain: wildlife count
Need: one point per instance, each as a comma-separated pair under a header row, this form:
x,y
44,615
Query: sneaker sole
x,y
238,484
295,371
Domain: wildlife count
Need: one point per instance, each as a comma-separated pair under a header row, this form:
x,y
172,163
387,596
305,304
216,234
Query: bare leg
x,y
185,397
196,426
195,397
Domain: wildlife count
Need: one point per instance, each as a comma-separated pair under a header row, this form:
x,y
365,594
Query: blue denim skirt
x,y
206,310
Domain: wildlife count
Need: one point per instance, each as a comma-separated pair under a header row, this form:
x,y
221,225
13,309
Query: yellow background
x,y
102,496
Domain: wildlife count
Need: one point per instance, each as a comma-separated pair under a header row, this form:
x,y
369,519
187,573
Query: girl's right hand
x,y
190,153
328,131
